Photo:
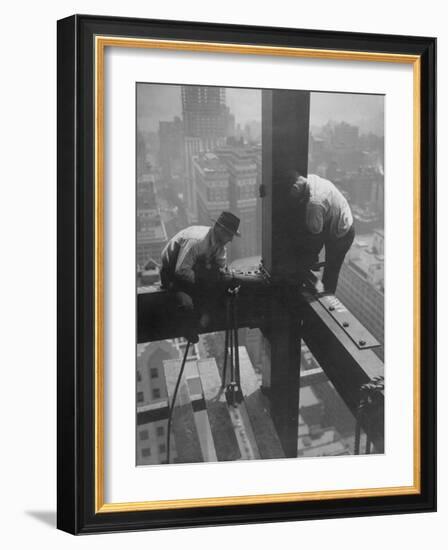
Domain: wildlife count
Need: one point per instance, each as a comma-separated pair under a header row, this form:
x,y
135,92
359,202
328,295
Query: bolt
x,y
362,342
345,324
331,308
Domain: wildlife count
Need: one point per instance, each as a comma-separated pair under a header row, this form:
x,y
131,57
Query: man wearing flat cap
x,y
193,261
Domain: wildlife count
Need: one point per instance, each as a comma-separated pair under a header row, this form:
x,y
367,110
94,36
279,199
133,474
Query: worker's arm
x,y
315,216
313,234
186,260
212,271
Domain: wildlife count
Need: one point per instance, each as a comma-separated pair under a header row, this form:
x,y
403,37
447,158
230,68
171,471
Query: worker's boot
x,y
312,284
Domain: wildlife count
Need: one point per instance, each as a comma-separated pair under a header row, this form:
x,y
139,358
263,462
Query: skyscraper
x,y
152,401
241,163
212,186
361,284
171,150
151,232
205,112
207,122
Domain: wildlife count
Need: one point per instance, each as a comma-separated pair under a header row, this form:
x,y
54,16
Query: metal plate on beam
x,y
348,322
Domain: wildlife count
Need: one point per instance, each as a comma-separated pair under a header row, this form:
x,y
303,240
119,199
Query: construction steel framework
x,y
284,313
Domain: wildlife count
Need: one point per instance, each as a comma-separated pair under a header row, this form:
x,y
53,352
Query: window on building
x,y
140,397
160,431
144,435
162,448
156,393
139,376
146,452
154,372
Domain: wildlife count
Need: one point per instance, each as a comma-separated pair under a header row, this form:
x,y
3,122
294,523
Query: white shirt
x,y
195,242
327,208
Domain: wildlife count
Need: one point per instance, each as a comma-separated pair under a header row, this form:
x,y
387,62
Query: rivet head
x,y
345,324
362,342
331,308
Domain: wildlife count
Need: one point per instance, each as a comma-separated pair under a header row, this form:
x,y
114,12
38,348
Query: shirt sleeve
x,y
315,218
186,260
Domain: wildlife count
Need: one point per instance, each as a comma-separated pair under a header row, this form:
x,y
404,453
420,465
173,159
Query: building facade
x,y
151,231
171,150
153,398
361,284
241,163
152,401
207,122
212,187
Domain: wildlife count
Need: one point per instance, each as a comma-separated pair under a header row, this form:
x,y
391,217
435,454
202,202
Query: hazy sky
x,y
366,111
162,102
157,102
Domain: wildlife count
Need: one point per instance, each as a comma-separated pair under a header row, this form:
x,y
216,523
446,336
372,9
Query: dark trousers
x,y
190,301
335,252
182,298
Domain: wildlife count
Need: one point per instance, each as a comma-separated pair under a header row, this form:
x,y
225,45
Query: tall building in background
x,y
151,232
205,112
140,155
152,401
207,122
377,195
365,188
361,283
345,136
256,151
241,163
212,186
171,151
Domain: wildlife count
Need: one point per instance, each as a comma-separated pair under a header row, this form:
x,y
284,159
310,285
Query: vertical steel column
x,y
285,131
285,127
284,339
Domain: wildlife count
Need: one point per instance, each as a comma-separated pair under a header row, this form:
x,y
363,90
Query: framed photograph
x,y
246,274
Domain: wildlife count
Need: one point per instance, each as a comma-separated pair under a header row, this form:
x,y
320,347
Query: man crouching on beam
x,y
193,261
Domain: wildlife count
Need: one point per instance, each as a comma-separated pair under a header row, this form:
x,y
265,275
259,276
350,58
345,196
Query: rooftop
x,y
205,427
209,162
364,258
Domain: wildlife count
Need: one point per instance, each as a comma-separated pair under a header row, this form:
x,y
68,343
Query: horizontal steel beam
x,y
158,318
345,365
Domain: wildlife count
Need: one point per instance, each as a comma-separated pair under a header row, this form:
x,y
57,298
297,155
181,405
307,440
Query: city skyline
x,y
162,102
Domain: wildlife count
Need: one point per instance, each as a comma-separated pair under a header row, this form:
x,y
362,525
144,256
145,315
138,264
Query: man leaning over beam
x,y
326,220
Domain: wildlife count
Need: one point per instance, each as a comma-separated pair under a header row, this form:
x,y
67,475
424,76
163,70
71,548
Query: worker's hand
x,y
207,274
226,274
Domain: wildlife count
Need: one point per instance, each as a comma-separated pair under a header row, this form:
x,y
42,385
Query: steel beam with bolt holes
x,y
346,365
